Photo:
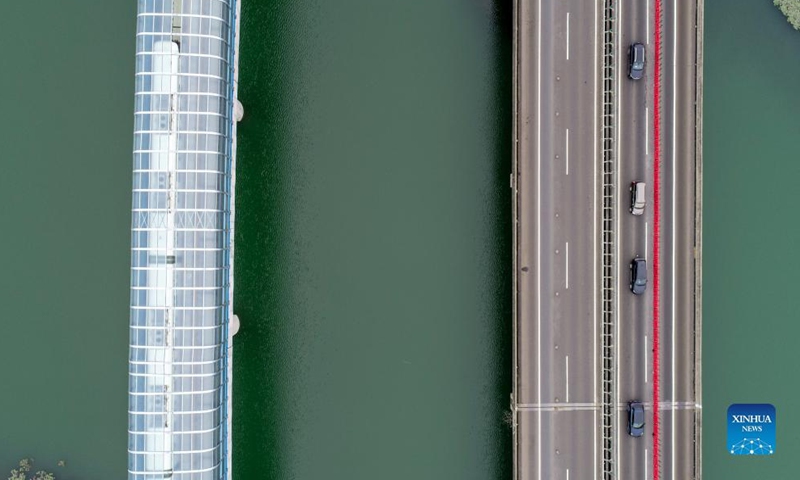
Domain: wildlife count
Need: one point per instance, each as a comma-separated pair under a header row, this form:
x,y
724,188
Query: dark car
x,y
638,275
635,419
636,54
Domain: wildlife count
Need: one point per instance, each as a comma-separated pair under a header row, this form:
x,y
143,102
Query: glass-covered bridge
x,y
179,414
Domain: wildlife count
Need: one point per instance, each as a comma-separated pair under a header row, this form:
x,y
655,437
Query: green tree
x,y
790,8
24,469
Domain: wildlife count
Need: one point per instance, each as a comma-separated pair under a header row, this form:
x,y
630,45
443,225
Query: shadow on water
x,y
262,192
287,300
503,257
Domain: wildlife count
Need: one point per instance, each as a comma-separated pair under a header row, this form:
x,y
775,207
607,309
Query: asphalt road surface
x,y
635,312
558,260
558,344
678,234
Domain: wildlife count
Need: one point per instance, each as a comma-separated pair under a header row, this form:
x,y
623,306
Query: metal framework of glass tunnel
x,y
179,412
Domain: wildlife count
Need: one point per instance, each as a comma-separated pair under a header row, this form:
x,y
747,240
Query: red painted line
x,y
656,224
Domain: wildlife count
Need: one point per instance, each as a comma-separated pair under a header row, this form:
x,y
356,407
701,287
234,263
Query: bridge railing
x,y
608,241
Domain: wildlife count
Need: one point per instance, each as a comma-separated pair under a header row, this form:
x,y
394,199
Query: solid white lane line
x,y
645,242
566,147
596,237
645,464
559,406
568,474
567,35
647,130
645,359
567,267
674,215
647,16
567,378
670,406
539,235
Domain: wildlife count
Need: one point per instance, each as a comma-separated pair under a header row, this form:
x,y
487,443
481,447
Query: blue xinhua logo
x,y
751,429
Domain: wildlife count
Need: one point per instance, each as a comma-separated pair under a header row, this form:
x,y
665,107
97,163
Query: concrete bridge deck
x,y
584,345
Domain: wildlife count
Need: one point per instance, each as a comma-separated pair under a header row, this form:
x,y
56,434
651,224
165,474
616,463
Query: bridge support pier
x,y
234,327
238,111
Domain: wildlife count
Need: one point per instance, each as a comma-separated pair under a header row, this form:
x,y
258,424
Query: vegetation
x,y
508,418
790,8
23,472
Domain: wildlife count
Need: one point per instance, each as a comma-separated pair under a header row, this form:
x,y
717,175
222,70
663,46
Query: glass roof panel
x,y
180,239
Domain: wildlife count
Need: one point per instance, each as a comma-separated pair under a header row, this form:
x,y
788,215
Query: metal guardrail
x,y
608,398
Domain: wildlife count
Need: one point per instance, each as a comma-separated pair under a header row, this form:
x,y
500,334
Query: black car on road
x,y
638,275
636,60
635,419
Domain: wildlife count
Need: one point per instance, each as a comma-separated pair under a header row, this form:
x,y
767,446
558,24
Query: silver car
x,y
637,198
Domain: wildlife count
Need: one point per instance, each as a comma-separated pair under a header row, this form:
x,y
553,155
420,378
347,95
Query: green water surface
x,y
373,241
373,247
751,232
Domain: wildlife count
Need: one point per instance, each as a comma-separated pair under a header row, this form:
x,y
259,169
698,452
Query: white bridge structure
x,y
181,317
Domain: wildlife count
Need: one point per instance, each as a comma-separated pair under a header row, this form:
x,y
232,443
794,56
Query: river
x,y
373,241
373,236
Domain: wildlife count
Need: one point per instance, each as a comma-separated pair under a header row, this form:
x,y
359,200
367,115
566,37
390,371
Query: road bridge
x,y
584,345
